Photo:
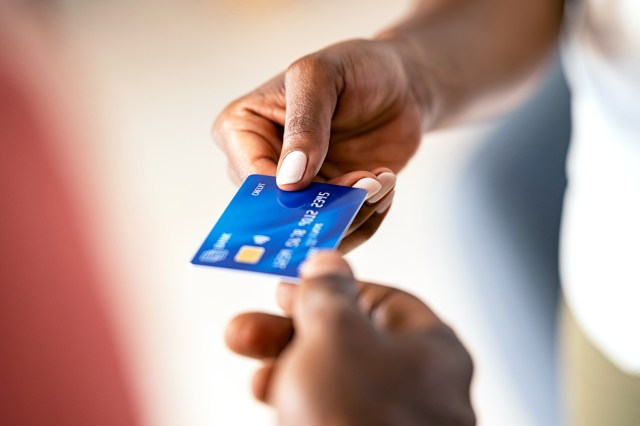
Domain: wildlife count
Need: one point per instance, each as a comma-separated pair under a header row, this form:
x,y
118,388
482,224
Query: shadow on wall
x,y
509,203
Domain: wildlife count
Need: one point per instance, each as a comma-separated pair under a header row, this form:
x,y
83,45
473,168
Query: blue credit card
x,y
265,229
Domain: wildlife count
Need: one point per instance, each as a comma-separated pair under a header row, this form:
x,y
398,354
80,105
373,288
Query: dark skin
x,y
366,106
370,215
349,111
361,108
354,353
362,105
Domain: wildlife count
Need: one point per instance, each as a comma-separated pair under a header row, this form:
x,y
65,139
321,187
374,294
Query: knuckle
x,y
216,129
301,125
233,119
223,123
312,64
331,310
319,69
330,298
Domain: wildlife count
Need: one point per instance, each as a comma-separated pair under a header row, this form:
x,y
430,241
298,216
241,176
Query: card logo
x,y
261,239
258,190
214,256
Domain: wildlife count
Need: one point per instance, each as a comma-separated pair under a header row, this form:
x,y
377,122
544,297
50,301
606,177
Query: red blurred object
x,y
59,361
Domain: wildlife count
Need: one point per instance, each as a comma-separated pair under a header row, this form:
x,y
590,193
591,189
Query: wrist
x,y
423,78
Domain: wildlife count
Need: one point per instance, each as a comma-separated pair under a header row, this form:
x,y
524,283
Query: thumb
x,y
327,298
312,86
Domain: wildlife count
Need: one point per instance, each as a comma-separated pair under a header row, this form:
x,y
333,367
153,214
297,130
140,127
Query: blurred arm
x,y
460,50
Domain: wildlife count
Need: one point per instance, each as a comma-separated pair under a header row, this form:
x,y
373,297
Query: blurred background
x,y
473,229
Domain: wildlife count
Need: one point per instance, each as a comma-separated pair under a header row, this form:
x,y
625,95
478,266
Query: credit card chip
x,y
249,255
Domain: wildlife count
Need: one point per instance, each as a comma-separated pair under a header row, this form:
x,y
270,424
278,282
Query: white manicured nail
x,y
371,185
388,181
292,168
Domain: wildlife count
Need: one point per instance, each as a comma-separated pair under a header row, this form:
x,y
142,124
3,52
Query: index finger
x,y
249,153
249,131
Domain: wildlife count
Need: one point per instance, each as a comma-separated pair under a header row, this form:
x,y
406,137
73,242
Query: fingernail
x,y
284,294
325,263
388,181
371,185
292,168
384,206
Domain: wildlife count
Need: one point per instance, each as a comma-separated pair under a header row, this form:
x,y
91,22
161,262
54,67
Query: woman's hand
x,y
346,114
349,107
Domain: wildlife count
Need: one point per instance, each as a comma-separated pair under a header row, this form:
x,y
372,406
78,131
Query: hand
x,y
347,108
361,354
380,187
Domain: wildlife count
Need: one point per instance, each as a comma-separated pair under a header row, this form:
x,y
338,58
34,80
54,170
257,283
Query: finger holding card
x,y
380,185
265,229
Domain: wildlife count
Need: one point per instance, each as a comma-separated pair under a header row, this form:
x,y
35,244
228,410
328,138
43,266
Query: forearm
x,y
457,51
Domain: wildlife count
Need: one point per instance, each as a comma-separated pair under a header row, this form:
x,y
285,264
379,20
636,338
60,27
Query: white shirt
x,y
600,253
